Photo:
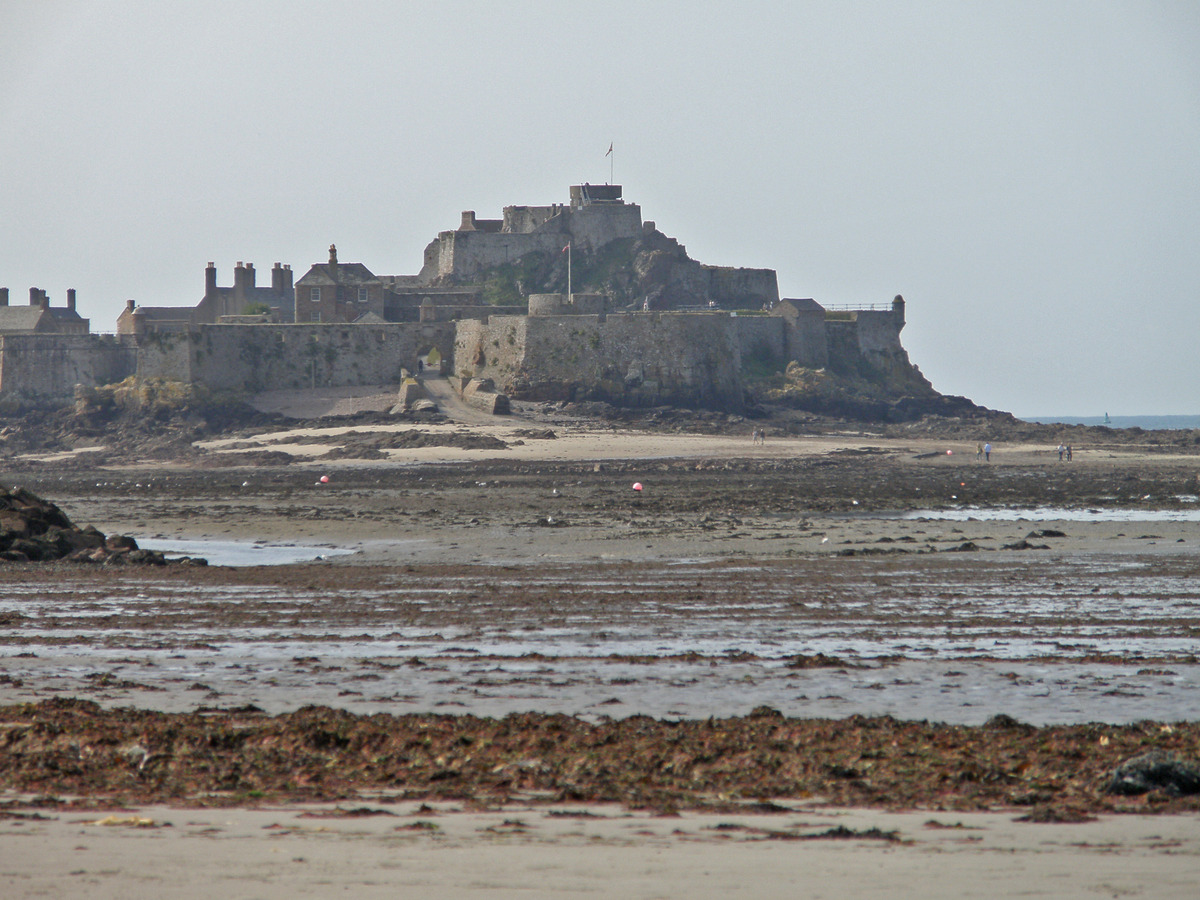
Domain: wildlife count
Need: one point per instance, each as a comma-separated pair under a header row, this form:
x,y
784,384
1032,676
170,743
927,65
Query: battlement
x,y
587,194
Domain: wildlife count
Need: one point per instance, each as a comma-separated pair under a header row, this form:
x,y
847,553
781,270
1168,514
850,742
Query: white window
x,y
362,295
316,316
314,295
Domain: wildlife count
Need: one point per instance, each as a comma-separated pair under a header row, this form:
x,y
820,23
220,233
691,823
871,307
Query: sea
x,y
1147,423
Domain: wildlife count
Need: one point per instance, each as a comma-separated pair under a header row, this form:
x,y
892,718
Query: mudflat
x,y
767,640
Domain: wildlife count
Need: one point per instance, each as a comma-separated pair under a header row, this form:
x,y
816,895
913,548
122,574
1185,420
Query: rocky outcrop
x,y
1155,770
35,530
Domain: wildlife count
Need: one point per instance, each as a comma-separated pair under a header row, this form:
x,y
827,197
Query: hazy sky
x,y
1026,174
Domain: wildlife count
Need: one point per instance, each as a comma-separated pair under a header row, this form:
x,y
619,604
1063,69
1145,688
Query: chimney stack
x,y
71,299
210,280
239,282
3,296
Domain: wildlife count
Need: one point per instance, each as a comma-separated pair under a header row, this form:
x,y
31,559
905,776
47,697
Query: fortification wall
x,y
463,255
591,227
807,342
634,359
261,357
742,288
48,366
879,331
761,342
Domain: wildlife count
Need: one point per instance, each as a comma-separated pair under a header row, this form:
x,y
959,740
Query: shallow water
x,y
241,553
1070,639
1056,514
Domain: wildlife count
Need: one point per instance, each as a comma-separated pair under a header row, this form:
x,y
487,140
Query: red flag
x,y
609,149
566,248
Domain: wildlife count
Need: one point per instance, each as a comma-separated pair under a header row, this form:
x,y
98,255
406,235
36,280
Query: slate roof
x,y
347,273
20,318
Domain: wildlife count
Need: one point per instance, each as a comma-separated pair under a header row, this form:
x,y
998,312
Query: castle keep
x,y
666,330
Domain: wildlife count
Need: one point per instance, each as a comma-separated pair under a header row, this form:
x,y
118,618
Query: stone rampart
x,y
735,288
262,357
634,359
762,343
878,331
464,255
48,366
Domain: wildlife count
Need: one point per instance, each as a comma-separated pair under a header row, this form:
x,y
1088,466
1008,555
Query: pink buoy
x,y
324,479
637,485
949,452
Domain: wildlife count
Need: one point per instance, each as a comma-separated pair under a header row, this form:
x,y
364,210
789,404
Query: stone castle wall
x,y
267,357
742,288
464,255
635,359
47,367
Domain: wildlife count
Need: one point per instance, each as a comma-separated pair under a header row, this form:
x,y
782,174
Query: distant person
x,y
987,451
1061,451
420,365
1068,452
979,451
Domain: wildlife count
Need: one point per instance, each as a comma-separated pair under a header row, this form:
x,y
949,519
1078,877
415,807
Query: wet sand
x,y
405,849
531,579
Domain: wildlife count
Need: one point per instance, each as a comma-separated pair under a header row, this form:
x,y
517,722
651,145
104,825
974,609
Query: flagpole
x,y
569,271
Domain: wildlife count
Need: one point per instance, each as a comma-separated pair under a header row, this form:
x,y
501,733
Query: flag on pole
x,y
566,248
610,146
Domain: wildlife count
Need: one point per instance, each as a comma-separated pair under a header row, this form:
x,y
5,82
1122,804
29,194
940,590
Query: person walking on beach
x,y
1068,452
987,451
979,451
1061,450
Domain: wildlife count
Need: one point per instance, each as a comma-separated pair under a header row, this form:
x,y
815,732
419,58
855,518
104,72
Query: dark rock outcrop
x,y
1155,771
35,530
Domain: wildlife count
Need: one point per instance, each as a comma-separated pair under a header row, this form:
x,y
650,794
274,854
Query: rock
x,y
120,543
1155,770
35,530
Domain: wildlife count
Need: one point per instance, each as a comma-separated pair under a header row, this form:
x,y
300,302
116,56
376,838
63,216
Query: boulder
x,y
1155,770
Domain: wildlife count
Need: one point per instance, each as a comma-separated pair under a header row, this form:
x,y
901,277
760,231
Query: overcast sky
x,y
1026,174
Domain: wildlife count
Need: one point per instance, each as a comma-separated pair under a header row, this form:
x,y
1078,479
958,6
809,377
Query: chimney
x,y
250,276
333,254
468,220
239,281
71,299
3,296
210,280
35,297
129,306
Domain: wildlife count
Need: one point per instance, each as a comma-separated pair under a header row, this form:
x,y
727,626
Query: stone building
x,y
243,296
338,292
39,317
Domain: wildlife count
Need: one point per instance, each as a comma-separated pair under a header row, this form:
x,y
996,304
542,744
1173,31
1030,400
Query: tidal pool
x,y
242,553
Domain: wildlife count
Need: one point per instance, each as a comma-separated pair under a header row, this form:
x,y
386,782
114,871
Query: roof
x,y
339,273
20,318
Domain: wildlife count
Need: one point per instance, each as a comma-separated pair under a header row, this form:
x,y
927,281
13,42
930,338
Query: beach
x,y
500,570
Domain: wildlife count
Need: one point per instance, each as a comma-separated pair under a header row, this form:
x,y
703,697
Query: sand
x,y
817,506
602,851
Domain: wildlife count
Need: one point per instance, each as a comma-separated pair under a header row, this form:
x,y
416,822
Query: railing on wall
x,y
857,307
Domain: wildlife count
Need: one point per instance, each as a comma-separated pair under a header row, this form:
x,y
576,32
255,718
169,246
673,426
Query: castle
x,y
686,334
